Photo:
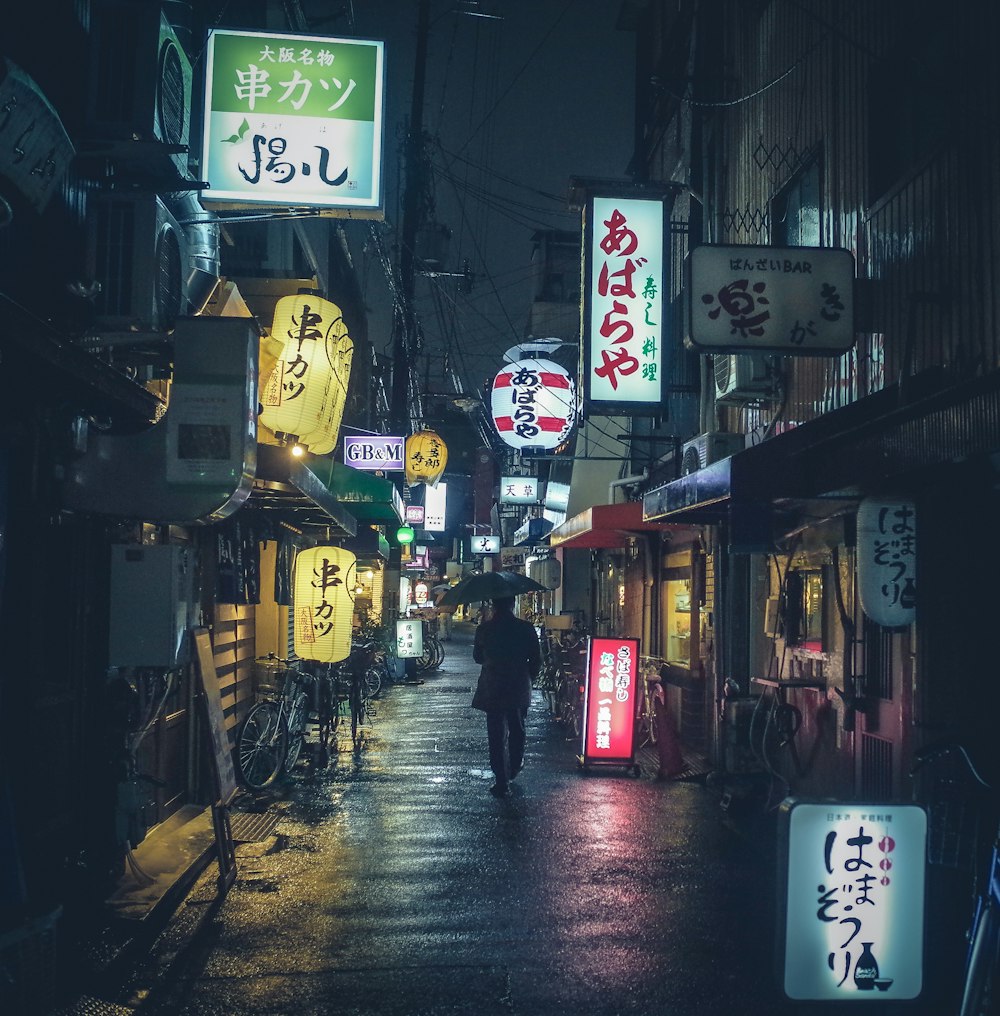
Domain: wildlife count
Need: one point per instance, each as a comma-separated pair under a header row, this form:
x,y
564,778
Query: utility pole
x,y
414,188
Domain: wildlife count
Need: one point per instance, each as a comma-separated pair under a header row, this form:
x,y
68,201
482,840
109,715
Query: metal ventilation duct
x,y
197,464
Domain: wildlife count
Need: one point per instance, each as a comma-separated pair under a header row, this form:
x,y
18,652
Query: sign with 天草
x,y
853,879
796,301
519,490
293,120
624,347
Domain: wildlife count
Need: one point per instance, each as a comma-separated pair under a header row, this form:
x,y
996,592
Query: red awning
x,y
605,525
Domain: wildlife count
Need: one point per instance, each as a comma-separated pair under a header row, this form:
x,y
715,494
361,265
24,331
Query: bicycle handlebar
x,y
940,749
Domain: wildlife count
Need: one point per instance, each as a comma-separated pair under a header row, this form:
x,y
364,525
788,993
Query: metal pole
x,y
415,184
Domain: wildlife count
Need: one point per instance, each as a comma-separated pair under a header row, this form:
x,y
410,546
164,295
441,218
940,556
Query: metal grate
x,y
878,660
168,284
876,768
251,828
172,95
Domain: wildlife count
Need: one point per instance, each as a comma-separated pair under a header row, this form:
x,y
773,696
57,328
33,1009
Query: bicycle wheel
x,y
357,709
438,650
261,746
651,718
982,964
373,682
297,717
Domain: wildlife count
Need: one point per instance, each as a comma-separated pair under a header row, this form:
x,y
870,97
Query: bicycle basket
x,y
953,822
268,677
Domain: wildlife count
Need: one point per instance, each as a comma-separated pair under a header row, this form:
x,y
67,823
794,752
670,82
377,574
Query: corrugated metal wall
x,y
801,82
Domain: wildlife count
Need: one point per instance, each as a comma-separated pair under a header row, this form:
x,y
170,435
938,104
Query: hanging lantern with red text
x,y
304,396
533,404
323,603
426,457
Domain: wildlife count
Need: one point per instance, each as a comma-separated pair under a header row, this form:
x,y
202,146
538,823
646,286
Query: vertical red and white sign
x,y
610,700
624,347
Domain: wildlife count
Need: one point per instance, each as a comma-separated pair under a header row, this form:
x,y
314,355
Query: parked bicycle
x,y
650,688
957,799
363,686
272,734
561,676
433,654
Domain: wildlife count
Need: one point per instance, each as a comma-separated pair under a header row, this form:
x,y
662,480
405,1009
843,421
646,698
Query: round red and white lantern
x,y
533,404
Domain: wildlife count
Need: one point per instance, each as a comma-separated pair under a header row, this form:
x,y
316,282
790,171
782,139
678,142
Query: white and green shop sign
x,y
294,120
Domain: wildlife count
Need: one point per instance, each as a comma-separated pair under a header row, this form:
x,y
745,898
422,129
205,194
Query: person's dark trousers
x,y
505,729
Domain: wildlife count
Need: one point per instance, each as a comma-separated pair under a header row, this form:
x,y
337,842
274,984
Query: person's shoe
x,y
499,791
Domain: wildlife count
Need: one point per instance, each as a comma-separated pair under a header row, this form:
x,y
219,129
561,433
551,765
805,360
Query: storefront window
x,y
804,609
677,618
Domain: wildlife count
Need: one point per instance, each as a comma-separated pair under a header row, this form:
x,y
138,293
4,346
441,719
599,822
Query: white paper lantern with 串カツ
x,y
303,397
324,603
426,457
533,404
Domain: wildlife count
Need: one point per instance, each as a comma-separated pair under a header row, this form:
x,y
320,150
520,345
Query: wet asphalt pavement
x,y
396,885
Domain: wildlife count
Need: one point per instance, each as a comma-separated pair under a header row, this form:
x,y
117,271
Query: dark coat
x,y
507,647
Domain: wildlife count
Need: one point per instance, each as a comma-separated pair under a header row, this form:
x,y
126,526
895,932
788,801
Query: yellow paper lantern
x,y
323,603
378,584
426,457
303,397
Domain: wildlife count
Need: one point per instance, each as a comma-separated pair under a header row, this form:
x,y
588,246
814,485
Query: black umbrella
x,y
492,585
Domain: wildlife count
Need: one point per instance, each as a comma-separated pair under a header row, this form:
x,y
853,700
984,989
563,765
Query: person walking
x,y
508,650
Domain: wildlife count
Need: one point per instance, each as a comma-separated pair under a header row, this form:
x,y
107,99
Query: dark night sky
x,y
542,95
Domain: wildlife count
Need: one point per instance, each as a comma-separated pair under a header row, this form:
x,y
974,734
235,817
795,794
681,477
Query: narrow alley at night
x,y
372,368
393,883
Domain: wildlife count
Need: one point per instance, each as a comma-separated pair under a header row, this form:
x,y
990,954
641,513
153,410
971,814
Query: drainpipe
x,y
648,581
625,481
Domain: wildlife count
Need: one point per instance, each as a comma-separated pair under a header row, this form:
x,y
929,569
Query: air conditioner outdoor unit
x,y
140,84
137,251
742,377
705,449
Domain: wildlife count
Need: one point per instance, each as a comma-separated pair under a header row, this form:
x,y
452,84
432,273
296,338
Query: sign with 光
x,y
853,881
624,309
519,490
887,560
610,701
294,120
484,544
373,454
796,301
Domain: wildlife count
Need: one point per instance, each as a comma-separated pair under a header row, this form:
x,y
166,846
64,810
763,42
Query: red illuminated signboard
x,y
610,701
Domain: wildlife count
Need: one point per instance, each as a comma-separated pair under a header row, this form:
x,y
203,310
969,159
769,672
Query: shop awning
x,y
369,546
286,487
371,499
841,455
533,531
603,525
